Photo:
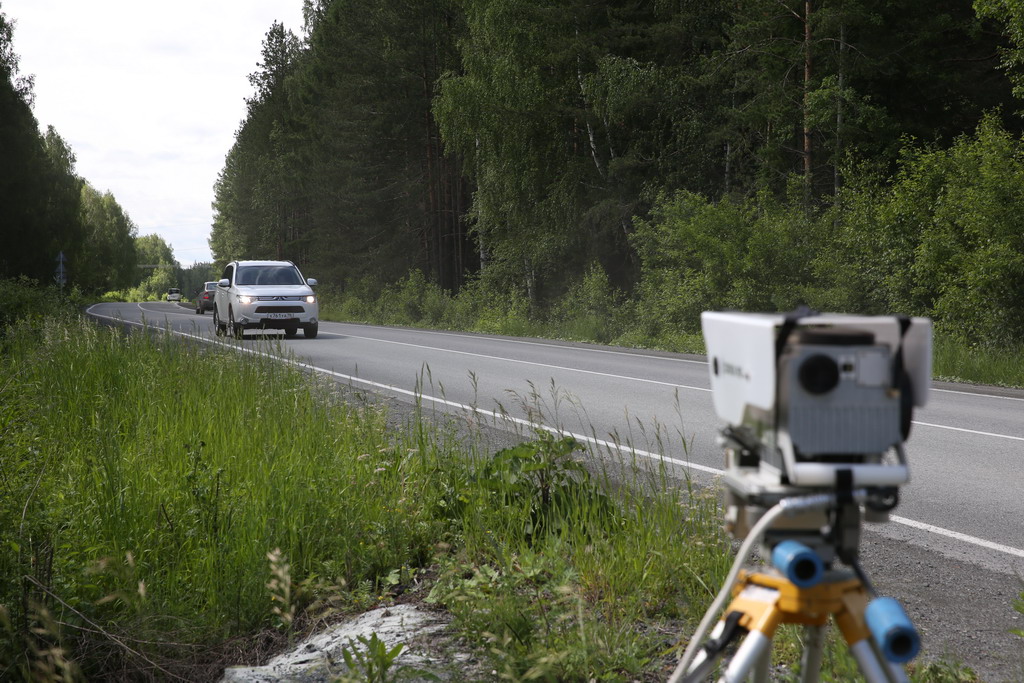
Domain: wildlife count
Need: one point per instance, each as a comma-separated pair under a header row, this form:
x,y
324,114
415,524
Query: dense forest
x,y
664,156
47,209
862,155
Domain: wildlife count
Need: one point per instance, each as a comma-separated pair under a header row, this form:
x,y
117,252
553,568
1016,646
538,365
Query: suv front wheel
x,y
237,331
310,330
218,327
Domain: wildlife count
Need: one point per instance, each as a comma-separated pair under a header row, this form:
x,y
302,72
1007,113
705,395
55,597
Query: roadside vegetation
x,y
170,509
147,481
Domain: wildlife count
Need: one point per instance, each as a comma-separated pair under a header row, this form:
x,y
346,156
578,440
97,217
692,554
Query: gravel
x,y
963,611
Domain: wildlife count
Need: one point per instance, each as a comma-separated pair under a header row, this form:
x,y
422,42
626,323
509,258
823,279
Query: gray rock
x,y
429,646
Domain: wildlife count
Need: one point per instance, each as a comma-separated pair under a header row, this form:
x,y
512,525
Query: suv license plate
x,y
279,316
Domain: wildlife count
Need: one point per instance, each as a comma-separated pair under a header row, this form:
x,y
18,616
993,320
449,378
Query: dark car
x,y
204,297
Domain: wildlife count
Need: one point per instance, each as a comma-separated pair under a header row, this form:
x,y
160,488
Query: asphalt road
x,y
959,518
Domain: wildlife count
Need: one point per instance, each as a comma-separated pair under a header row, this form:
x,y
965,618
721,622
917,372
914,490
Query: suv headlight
x,y
310,299
242,299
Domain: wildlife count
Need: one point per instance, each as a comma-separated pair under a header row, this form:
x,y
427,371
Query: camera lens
x,y
819,374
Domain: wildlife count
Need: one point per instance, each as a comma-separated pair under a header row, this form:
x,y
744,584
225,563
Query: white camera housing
x,y
832,394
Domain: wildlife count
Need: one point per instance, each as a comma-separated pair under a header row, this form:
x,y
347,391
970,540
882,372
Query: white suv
x,y
265,294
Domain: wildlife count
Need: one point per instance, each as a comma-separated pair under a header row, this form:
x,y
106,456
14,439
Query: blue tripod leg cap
x,y
892,630
798,563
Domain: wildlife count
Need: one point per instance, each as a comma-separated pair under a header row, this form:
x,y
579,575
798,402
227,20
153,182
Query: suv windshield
x,y
268,275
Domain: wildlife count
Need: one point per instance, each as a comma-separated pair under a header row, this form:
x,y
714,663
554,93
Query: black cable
x,y
859,571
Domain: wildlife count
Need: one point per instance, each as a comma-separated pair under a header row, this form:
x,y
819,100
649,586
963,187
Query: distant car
x,y
174,294
204,297
265,295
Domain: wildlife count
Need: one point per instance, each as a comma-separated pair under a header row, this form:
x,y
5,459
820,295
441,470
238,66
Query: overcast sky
x,y
149,95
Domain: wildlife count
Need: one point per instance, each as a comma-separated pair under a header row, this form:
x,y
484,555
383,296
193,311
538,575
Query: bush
x,y
483,305
944,239
590,310
698,255
154,288
969,265
25,299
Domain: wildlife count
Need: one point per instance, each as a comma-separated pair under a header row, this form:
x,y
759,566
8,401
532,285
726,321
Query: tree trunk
x,y
807,96
728,160
837,154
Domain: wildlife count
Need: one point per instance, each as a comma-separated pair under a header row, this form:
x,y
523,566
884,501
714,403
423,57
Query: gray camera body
x,y
815,403
807,396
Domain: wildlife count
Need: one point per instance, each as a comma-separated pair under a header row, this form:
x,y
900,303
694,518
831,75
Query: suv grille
x,y
280,309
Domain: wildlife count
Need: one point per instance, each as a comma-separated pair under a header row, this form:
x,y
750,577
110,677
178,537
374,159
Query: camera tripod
x,y
799,591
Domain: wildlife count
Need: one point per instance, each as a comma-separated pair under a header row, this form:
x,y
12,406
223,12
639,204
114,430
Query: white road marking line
x,y
633,355
527,362
506,340
998,547
638,379
977,393
922,526
970,431
184,312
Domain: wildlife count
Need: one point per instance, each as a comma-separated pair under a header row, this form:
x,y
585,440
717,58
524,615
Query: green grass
x,y
145,482
958,362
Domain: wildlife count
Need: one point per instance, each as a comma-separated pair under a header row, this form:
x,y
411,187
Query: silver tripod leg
x,y
753,657
872,665
762,667
896,673
814,646
755,647
702,665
